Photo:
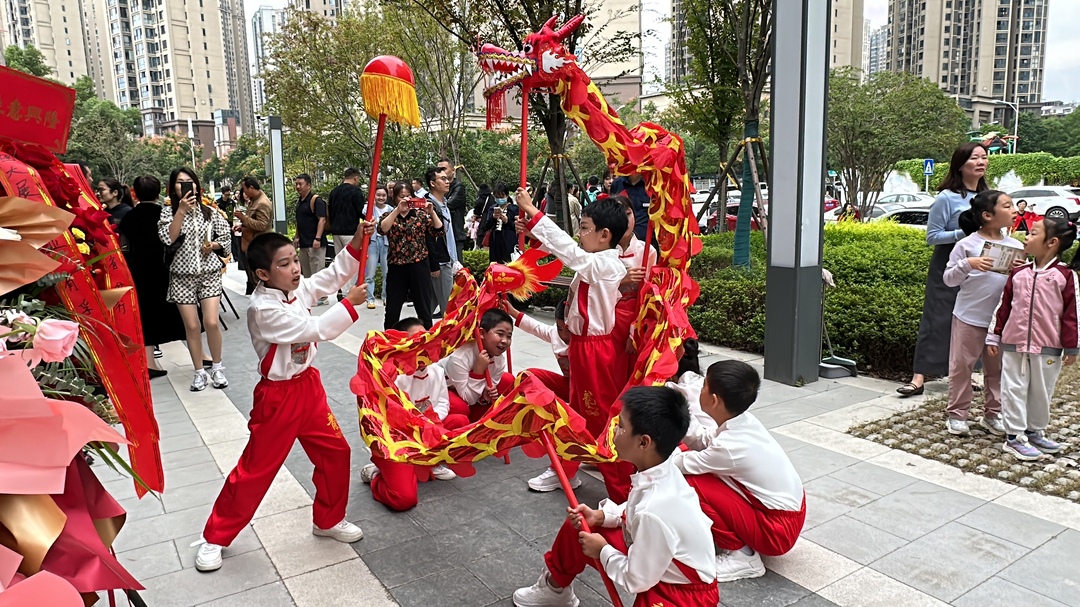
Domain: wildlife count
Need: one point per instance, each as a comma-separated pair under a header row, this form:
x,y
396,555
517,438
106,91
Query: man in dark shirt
x,y
345,209
455,201
633,187
310,227
226,202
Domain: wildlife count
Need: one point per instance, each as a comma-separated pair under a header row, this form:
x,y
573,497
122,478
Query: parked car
x,y
1059,202
881,208
915,218
710,223
831,204
917,199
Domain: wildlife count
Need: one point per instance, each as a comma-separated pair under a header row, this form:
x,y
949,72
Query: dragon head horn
x,y
551,22
568,28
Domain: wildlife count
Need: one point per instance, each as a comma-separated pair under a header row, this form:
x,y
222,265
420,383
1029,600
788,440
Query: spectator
x,y
144,252
609,176
225,202
257,219
850,213
1024,218
592,190
378,249
418,188
455,202
633,187
407,228
200,238
116,198
499,222
345,210
484,201
310,227
575,209
442,250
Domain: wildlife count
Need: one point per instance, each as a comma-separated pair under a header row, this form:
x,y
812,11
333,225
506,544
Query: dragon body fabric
x,y
398,431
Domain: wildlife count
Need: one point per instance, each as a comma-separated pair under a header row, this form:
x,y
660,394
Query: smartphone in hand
x,y
187,188
418,203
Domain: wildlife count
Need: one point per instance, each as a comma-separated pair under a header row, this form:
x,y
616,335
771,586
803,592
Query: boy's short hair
x,y
405,324
610,215
147,188
226,188
659,412
261,251
493,317
560,311
689,361
735,382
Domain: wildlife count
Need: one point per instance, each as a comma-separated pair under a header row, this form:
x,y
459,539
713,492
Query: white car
x,y
917,199
913,218
1060,202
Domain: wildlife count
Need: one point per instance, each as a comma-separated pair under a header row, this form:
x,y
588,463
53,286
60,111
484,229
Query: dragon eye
x,y
527,48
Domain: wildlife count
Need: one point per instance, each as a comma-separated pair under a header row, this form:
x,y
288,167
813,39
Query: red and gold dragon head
x,y
541,64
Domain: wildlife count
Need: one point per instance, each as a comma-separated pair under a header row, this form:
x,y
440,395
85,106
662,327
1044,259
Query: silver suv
x,y
1060,202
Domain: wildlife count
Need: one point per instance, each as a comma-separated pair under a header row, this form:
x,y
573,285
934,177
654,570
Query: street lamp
x,y
1016,120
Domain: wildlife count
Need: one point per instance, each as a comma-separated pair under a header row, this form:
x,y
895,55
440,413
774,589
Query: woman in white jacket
x,y
198,239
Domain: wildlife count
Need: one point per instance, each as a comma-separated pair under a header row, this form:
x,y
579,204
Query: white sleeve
x,y
712,459
612,513
647,558
536,328
958,267
698,437
328,281
459,376
592,267
278,326
440,400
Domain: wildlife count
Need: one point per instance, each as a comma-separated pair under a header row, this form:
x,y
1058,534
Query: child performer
x,y
655,545
746,482
467,367
689,381
631,254
991,212
1035,329
289,401
597,376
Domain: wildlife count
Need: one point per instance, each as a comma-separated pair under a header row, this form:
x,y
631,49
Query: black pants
x,y
409,281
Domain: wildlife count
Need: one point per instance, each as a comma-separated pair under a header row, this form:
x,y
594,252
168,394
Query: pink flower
x,y
55,339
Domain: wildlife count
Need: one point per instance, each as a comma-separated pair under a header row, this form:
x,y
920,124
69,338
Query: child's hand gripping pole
x,y
556,465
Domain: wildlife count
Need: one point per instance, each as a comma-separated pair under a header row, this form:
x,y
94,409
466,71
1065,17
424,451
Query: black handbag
x,y
172,249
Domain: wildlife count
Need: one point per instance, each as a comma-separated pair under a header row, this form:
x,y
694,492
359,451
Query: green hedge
x,y
1030,168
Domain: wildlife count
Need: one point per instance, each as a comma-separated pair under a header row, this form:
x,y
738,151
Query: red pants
x,y
565,561
283,412
739,521
626,310
458,406
395,485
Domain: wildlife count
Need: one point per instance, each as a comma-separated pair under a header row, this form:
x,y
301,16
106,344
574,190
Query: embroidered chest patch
x,y
299,352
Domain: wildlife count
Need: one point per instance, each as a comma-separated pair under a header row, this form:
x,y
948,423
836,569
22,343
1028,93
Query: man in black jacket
x,y
346,209
455,201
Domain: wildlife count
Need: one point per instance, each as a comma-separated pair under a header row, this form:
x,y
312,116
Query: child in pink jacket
x,y
1035,329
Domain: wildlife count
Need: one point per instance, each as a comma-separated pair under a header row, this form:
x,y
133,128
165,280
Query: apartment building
x,y
264,22
987,54
330,9
54,27
879,42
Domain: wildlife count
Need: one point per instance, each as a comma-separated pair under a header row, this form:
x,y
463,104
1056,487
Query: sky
x,y
1062,52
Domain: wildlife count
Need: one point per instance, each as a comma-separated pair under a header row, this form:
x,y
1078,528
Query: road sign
x,y
832,173
928,166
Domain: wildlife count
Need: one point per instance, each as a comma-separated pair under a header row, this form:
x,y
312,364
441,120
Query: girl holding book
x,y
1034,330
979,265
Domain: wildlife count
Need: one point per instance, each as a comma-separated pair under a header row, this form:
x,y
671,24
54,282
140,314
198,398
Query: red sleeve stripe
x,y
268,361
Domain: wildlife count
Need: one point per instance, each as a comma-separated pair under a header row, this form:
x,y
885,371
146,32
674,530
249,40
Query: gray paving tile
x,y
408,561
155,529
246,542
505,571
474,539
812,462
270,595
770,590
813,600
191,475
171,417
189,587
146,507
176,429
1050,570
1008,524
384,531
916,510
872,477
828,498
451,587
950,561
590,589
190,496
786,412
996,591
856,540
838,397
772,393
186,457
789,444
150,561
179,443
450,512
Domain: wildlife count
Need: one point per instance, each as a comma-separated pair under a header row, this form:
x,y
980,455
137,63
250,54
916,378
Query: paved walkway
x,y
883,528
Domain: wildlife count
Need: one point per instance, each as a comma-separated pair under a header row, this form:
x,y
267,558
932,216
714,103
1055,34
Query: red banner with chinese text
x,y
33,110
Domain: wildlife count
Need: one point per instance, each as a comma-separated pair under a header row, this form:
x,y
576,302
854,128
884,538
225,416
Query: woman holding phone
x,y
499,222
407,227
197,239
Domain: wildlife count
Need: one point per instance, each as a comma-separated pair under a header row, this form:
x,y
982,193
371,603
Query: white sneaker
x,y
344,532
958,427
734,565
199,382
443,473
541,594
549,481
368,472
217,377
993,425
208,558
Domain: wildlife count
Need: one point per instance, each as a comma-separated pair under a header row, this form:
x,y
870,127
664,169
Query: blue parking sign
x,y
928,166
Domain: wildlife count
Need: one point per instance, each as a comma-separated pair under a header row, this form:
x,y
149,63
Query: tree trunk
x,y
741,256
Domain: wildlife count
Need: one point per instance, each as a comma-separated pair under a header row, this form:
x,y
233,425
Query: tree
x,y
29,60
247,158
103,135
890,117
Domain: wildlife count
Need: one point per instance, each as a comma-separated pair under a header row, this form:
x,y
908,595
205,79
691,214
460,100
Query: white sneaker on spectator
x,y
958,427
218,379
734,565
542,594
344,532
993,425
443,473
549,481
200,381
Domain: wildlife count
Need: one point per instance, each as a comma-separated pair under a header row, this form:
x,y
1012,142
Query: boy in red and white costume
x,y
468,367
746,482
289,401
657,544
598,372
394,484
632,255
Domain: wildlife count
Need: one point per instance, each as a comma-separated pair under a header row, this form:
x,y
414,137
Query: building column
x,y
799,92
